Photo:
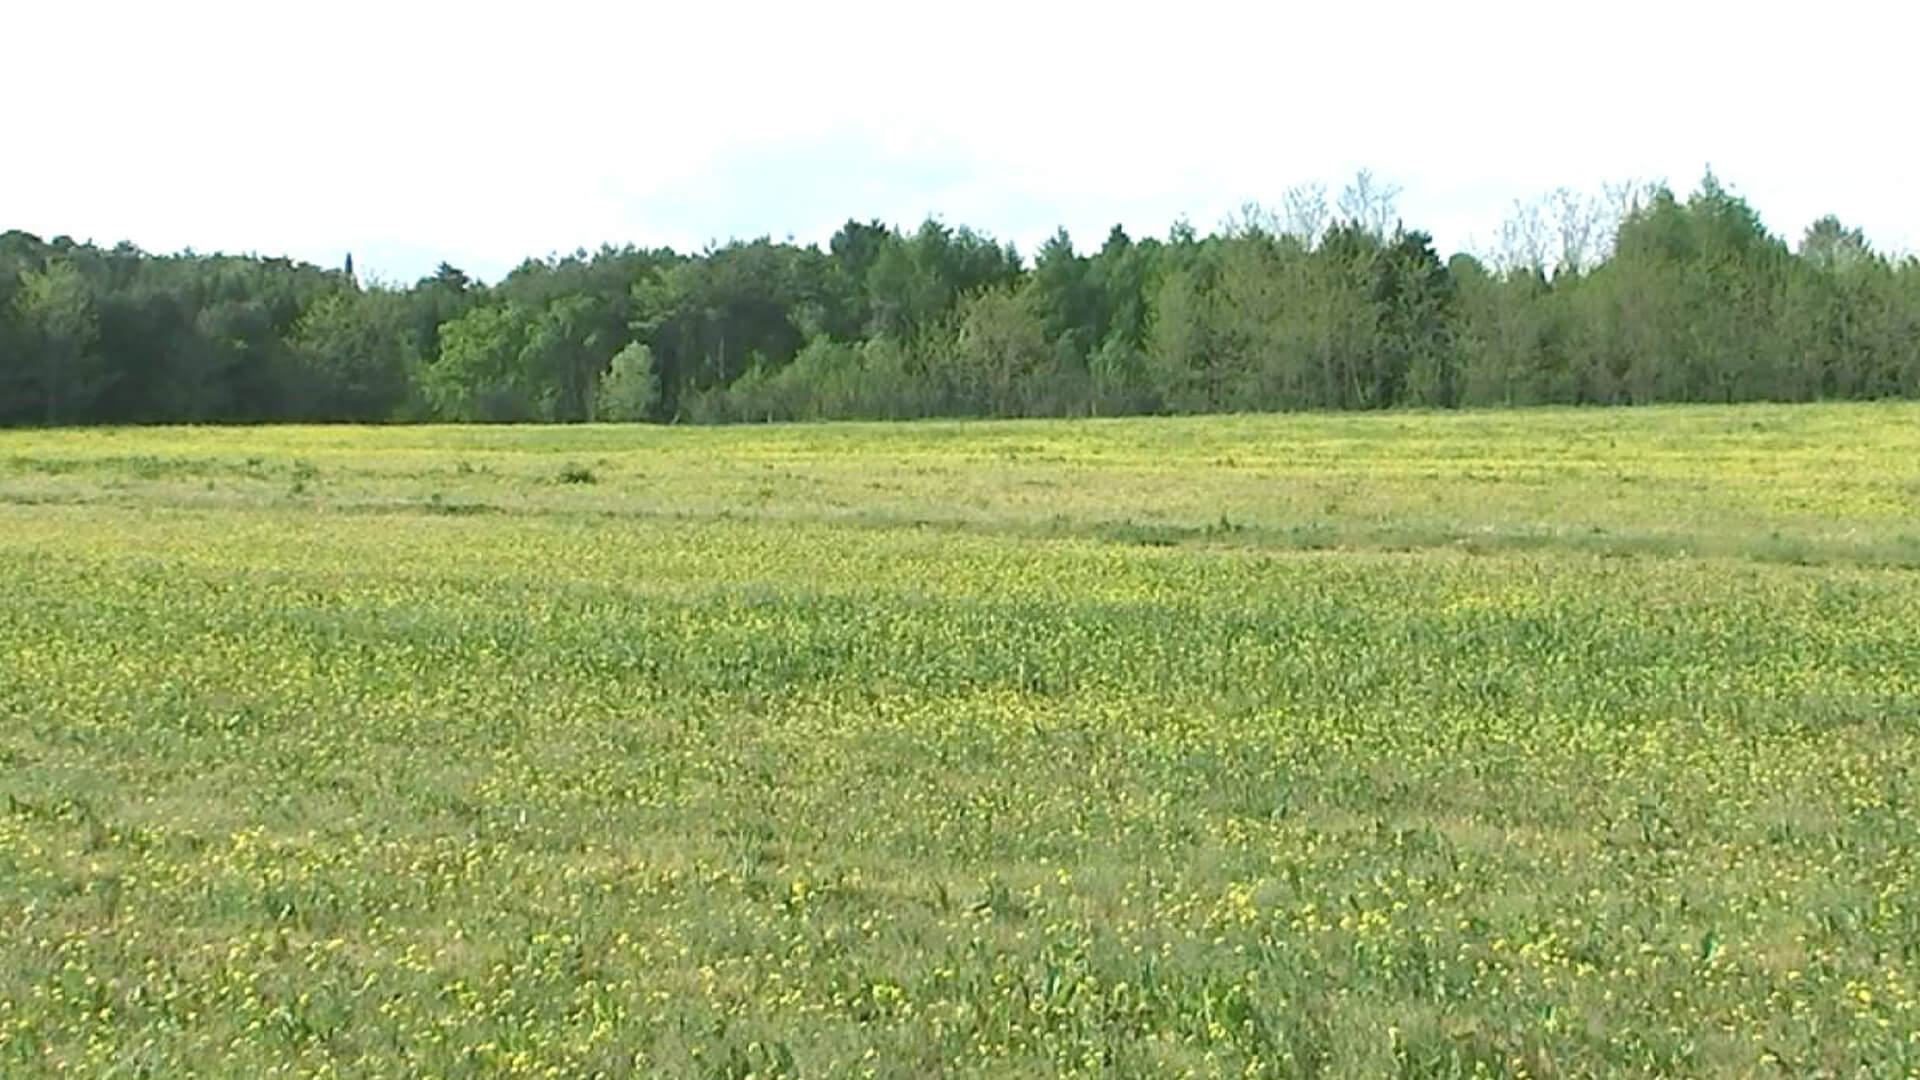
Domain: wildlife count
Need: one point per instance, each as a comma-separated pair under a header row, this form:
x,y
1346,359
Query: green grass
x,y
1549,744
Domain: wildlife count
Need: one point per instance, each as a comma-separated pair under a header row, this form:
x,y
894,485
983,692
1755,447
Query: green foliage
x,y
567,347
478,375
916,281
631,387
1640,296
60,320
1187,341
1000,356
879,380
358,354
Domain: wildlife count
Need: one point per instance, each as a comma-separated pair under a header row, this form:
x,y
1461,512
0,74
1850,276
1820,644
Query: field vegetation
x,y
1551,743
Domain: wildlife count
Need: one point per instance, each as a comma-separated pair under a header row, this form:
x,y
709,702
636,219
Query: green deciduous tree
x,y
60,321
477,376
356,354
631,387
1001,363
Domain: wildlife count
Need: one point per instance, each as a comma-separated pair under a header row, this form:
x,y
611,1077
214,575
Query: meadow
x,y
1548,743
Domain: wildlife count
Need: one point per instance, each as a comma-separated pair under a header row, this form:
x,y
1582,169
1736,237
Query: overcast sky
x,y
412,132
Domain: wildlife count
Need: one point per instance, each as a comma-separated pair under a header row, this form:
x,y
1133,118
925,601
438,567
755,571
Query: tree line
x,y
1633,296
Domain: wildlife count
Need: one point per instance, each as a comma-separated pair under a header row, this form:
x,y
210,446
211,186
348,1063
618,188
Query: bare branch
x,y
1305,212
1523,239
1370,204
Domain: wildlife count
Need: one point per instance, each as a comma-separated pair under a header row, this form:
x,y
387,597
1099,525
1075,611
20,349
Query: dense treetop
x,y
1638,296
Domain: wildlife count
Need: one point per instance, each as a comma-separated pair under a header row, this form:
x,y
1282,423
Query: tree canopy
x,y
1640,295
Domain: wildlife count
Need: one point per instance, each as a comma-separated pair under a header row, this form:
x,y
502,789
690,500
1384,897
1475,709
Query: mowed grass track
x,y
1519,744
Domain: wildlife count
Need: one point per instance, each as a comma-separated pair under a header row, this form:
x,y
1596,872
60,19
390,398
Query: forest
x,y
1327,302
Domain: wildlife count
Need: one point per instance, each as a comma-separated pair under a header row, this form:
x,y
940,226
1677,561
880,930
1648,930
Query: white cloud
x,y
482,133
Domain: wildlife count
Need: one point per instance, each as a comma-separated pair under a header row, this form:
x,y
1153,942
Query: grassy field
x,y
1546,744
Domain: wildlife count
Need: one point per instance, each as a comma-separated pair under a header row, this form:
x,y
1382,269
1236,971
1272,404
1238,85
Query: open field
x,y
1548,744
